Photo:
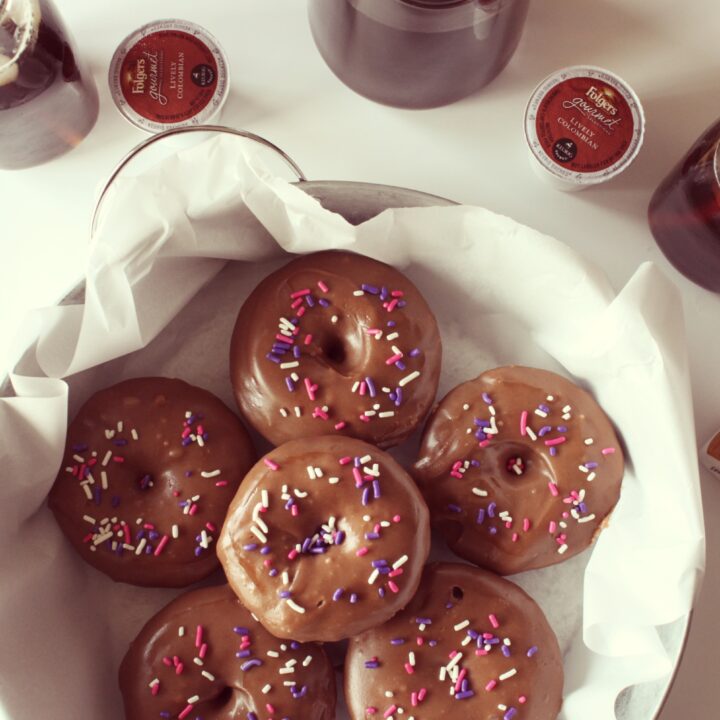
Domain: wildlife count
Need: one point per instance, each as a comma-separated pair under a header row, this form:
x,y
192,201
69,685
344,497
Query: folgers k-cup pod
x,y
168,74
584,125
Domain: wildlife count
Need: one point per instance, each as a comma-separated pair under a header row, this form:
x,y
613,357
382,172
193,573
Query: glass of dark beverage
x,y
417,53
48,101
684,212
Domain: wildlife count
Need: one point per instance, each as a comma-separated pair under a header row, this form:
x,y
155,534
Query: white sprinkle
x,y
409,378
106,459
387,414
103,480
295,377
582,468
479,492
466,406
370,413
289,683
300,493
507,674
588,441
550,398
262,538
287,670
212,474
461,625
128,547
334,319
566,416
365,459
262,524
355,386
153,682
134,434
204,541
289,365
358,293
591,477
273,654
109,434
102,538
307,660
208,675
120,426
567,409
389,693
334,480
298,411
285,577
443,672
283,412
141,546
587,518
294,606
373,576
311,472
80,459
318,472
192,700
400,562
541,413
89,519
456,659
562,548
181,631
411,658
492,410
264,498
266,689
392,336
531,433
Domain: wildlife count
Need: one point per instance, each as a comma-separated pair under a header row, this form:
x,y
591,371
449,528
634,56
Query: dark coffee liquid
x,y
417,53
50,104
684,213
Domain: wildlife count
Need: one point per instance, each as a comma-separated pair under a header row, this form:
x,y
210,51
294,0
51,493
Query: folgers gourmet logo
x,y
598,105
146,78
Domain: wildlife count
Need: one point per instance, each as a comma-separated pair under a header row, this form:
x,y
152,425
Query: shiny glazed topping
x,y
205,656
335,342
325,538
150,467
519,468
469,645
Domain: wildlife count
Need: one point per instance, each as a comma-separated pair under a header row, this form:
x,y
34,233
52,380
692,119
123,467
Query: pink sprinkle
x,y
270,708
491,685
167,661
193,509
203,651
461,677
88,538
185,712
456,474
301,311
271,464
493,621
364,418
221,483
118,459
390,711
508,524
357,475
310,389
552,527
414,699
340,425
391,305
452,653
396,572
300,293
294,510
396,518
198,636
186,432
409,669
393,586
515,537
556,441
523,422
318,412
397,293
161,545
526,524
179,668
370,710
393,359
285,339
345,460
322,286
522,699
148,526
608,451
363,386
553,489
422,694
155,688
481,652
126,529
292,554
176,660
296,303
362,551
483,443
308,339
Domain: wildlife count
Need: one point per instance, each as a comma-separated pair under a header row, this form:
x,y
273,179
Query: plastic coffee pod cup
x,y
584,126
169,74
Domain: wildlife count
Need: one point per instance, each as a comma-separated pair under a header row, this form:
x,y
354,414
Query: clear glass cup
x,y
48,100
417,53
684,212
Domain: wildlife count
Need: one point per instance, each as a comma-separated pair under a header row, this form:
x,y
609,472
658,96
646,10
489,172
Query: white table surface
x,y
472,151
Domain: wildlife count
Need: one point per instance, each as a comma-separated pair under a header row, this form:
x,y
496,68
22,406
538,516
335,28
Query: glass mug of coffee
x,y
684,212
417,53
48,101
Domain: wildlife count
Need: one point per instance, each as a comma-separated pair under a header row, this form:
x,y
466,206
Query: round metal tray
x,y
358,202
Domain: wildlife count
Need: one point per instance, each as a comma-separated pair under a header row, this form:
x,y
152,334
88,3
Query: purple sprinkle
x,y
378,563
98,495
402,303
310,300
149,549
372,536
370,386
290,384
591,465
384,293
294,645
296,351
120,442
510,714
398,396
491,509
285,594
562,428
432,643
553,451
324,302
475,463
273,572
423,621
381,592
265,549
353,598
414,352
505,650
188,473
397,641
251,664
185,442
544,430
239,630
372,664
80,448
198,550
370,289
242,654
376,489
337,594
454,508
273,357
486,399
340,537
250,546
356,461
114,501
252,716
544,408
493,531
392,396
400,365
391,323
464,695
532,651
366,495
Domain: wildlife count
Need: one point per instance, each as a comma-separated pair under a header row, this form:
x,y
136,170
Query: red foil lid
x,y
584,125
169,73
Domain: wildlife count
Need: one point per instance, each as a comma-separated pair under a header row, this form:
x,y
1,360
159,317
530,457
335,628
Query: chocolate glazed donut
x,y
150,467
470,644
520,468
325,538
205,656
335,342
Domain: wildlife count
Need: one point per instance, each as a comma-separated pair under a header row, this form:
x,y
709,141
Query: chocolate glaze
x,y
510,664
383,330
205,656
316,572
562,490
142,461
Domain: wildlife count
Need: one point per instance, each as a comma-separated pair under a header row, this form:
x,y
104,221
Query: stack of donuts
x,y
335,358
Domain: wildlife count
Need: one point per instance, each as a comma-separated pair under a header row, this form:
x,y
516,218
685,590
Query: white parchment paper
x,y
161,298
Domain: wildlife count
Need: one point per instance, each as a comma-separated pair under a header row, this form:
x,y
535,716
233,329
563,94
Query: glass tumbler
x,y
417,53
684,212
48,101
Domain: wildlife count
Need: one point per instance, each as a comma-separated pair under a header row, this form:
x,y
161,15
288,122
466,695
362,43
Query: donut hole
x,y
515,461
457,593
334,350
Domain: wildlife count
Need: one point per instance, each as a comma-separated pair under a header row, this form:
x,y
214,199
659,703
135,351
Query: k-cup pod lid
x,y
584,125
168,74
